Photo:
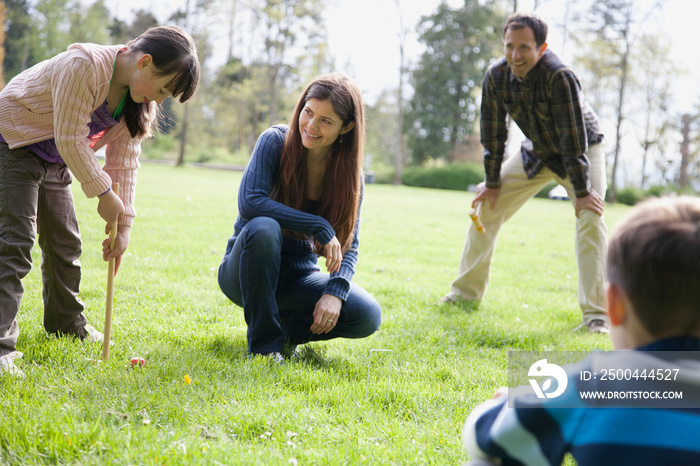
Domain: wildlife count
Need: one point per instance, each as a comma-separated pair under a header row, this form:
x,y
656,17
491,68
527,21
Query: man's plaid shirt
x,y
549,108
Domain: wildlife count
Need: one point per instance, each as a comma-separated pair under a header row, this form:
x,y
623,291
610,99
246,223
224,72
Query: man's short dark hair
x,y
653,257
528,20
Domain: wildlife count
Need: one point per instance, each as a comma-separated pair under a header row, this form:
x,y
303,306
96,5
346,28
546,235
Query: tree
x,y
689,165
685,151
52,26
460,44
616,24
192,19
3,19
121,33
654,85
598,69
232,5
87,24
280,45
617,18
382,130
40,30
400,156
283,25
18,49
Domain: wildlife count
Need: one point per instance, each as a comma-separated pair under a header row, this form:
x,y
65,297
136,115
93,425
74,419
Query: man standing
x,y
563,143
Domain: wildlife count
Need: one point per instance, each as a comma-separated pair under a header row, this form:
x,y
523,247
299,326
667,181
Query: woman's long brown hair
x,y
342,183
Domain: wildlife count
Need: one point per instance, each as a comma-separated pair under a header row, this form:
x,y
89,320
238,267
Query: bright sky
x,y
366,45
363,36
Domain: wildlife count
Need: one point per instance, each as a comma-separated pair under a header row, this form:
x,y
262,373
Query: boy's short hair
x,y
654,257
528,20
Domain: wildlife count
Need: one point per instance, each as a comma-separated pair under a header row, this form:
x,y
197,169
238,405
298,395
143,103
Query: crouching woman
x,y
300,198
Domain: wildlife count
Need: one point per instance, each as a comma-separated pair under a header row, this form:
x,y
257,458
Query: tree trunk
x,y
3,18
685,152
185,113
647,141
183,135
647,145
612,192
398,162
272,93
231,30
400,156
254,130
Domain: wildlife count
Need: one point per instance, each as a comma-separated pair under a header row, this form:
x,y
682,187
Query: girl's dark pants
x,y
35,197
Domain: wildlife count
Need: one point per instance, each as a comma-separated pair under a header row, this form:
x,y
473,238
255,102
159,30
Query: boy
x,y
653,302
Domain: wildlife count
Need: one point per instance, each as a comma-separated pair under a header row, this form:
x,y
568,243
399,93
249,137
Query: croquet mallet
x,y
110,286
475,215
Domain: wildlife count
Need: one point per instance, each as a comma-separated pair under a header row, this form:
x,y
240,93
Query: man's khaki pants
x,y
516,189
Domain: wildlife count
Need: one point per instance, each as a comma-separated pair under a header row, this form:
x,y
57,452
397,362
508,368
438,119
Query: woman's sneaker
x,y
275,356
7,365
290,351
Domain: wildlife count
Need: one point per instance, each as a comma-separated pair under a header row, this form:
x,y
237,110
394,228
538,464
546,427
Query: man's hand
x,y
486,194
591,202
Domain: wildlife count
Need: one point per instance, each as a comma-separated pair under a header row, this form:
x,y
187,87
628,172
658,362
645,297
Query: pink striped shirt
x,y
56,98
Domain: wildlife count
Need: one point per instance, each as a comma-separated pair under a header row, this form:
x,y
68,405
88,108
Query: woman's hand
x,y
334,255
110,207
120,245
326,313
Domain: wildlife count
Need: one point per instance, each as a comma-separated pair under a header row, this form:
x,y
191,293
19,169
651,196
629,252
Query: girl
x,y
53,117
300,197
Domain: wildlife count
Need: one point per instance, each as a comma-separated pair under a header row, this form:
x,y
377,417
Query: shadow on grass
x,y
236,350
228,349
313,355
508,339
461,305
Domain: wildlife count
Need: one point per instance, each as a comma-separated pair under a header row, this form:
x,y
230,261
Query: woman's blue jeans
x,y
278,301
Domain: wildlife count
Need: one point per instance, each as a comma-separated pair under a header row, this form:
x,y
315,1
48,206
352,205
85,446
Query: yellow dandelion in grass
x,y
188,380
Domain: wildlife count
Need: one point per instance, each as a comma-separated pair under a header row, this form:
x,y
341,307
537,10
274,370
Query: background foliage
x,y
272,48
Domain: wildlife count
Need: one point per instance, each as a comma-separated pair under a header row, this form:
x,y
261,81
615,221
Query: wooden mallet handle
x,y
475,215
110,287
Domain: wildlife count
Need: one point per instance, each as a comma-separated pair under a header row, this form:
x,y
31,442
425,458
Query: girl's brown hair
x,y
174,53
342,185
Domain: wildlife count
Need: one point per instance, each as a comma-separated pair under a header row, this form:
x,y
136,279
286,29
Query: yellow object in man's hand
x,y
475,214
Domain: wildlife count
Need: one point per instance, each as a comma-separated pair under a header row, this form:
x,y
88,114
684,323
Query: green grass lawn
x,y
323,409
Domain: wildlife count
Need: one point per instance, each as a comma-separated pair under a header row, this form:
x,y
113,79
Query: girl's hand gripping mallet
x,y
475,215
110,287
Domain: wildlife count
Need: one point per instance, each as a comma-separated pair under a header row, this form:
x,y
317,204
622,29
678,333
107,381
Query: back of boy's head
x,y
654,257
